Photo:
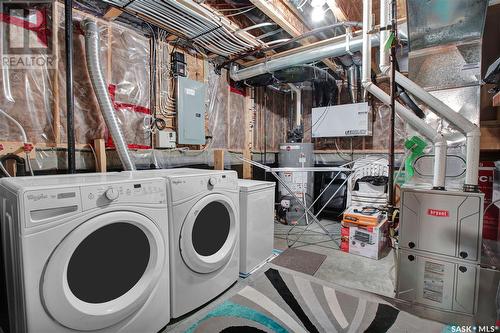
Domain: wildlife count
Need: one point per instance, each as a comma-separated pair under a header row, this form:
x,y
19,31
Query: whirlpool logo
x,y
37,197
27,34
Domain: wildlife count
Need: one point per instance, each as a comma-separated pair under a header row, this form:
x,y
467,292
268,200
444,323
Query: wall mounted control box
x,y
165,139
342,120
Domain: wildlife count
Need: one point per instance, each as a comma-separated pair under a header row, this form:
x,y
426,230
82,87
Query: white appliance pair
x,y
119,252
204,234
86,253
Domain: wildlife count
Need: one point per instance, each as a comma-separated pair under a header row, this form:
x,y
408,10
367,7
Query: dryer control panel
x,y
189,186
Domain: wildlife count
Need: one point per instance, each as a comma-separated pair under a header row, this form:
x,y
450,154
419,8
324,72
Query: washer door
x,y
103,271
209,234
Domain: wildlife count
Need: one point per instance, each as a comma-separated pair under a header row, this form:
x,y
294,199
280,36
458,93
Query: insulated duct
x,y
335,48
298,104
353,81
101,91
440,144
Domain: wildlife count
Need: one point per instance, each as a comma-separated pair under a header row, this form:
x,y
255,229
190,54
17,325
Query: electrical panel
x,y
342,120
190,111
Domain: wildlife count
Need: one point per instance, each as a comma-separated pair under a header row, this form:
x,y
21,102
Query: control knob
x,y
212,181
111,194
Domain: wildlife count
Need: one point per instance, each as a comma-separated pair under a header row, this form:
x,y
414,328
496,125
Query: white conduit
x,y
421,126
466,127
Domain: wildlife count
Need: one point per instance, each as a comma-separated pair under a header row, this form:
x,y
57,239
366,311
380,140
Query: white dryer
x,y
86,253
204,230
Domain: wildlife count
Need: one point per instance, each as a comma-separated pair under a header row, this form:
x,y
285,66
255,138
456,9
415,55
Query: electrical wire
x,y
4,170
235,9
24,136
240,12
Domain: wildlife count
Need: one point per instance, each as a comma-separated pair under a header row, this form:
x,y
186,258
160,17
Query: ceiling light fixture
x,y
317,14
317,3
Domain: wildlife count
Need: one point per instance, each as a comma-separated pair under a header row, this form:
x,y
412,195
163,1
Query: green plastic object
x,y
416,145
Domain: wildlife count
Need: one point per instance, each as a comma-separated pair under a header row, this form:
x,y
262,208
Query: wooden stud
x,y
228,116
112,13
16,148
337,11
279,12
247,150
218,159
100,152
11,167
496,99
56,109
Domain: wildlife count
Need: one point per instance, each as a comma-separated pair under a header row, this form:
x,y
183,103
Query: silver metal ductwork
x,y
421,126
101,91
334,48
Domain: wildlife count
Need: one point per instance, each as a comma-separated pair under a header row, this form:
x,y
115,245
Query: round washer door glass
x,y
103,271
208,234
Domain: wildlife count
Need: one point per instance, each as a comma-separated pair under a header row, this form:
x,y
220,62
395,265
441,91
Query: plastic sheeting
x,y
36,97
218,95
272,117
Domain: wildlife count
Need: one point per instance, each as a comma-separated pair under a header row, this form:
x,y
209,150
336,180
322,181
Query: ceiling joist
x,y
279,12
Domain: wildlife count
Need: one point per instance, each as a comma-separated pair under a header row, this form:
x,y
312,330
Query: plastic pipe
x,y
421,126
101,91
384,21
366,43
470,130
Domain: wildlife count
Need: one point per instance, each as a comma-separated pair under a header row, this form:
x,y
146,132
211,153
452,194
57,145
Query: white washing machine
x,y
86,253
204,230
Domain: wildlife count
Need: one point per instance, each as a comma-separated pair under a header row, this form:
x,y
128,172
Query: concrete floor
x,y
377,276
342,268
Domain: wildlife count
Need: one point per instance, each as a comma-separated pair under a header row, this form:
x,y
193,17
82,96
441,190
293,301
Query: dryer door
x,y
103,271
209,234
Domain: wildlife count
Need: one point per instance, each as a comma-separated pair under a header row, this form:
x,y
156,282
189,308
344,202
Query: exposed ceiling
x,y
245,31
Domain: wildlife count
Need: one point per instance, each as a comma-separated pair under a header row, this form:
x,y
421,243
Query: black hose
x,y
403,95
70,125
20,163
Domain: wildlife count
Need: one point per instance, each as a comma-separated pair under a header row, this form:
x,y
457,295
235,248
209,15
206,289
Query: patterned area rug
x,y
282,301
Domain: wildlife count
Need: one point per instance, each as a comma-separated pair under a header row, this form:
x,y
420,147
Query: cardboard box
x,y
364,216
370,242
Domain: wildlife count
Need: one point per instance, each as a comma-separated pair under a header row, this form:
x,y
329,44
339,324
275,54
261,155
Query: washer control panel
x,y
48,205
146,192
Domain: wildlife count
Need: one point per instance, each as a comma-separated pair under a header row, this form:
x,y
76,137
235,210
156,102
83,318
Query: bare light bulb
x,y
317,14
317,3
